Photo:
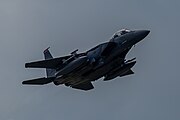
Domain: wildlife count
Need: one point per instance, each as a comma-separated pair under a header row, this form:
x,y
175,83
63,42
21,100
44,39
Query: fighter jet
x,y
79,70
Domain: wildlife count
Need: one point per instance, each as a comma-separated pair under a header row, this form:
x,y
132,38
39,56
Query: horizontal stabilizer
x,y
130,72
38,81
84,86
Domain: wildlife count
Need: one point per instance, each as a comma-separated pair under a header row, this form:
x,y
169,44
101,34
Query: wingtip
x,y
23,82
26,65
46,49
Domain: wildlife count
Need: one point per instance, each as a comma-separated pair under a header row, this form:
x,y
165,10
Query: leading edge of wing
x,y
49,63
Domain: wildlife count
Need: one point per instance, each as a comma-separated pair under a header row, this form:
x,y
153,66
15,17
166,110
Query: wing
x,y
84,86
49,63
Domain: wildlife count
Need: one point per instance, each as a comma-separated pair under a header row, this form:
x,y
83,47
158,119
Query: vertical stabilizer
x,y
47,55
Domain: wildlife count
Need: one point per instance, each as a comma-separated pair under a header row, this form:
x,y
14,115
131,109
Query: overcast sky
x,y
27,27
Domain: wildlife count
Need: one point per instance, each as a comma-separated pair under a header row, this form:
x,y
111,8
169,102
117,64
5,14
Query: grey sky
x,y
28,27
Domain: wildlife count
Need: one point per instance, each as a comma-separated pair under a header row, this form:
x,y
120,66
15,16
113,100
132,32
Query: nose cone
x,y
141,34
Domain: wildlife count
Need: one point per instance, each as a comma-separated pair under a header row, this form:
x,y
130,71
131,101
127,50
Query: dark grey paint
x,y
106,60
28,27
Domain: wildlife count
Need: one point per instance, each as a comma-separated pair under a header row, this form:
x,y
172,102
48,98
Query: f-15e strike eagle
x,y
78,70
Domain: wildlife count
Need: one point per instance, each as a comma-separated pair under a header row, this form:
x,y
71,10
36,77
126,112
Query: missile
x,y
74,65
120,71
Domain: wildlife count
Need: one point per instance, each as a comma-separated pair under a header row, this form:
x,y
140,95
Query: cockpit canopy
x,y
120,32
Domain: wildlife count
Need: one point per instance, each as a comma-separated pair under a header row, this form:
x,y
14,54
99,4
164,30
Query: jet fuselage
x,y
89,71
79,70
